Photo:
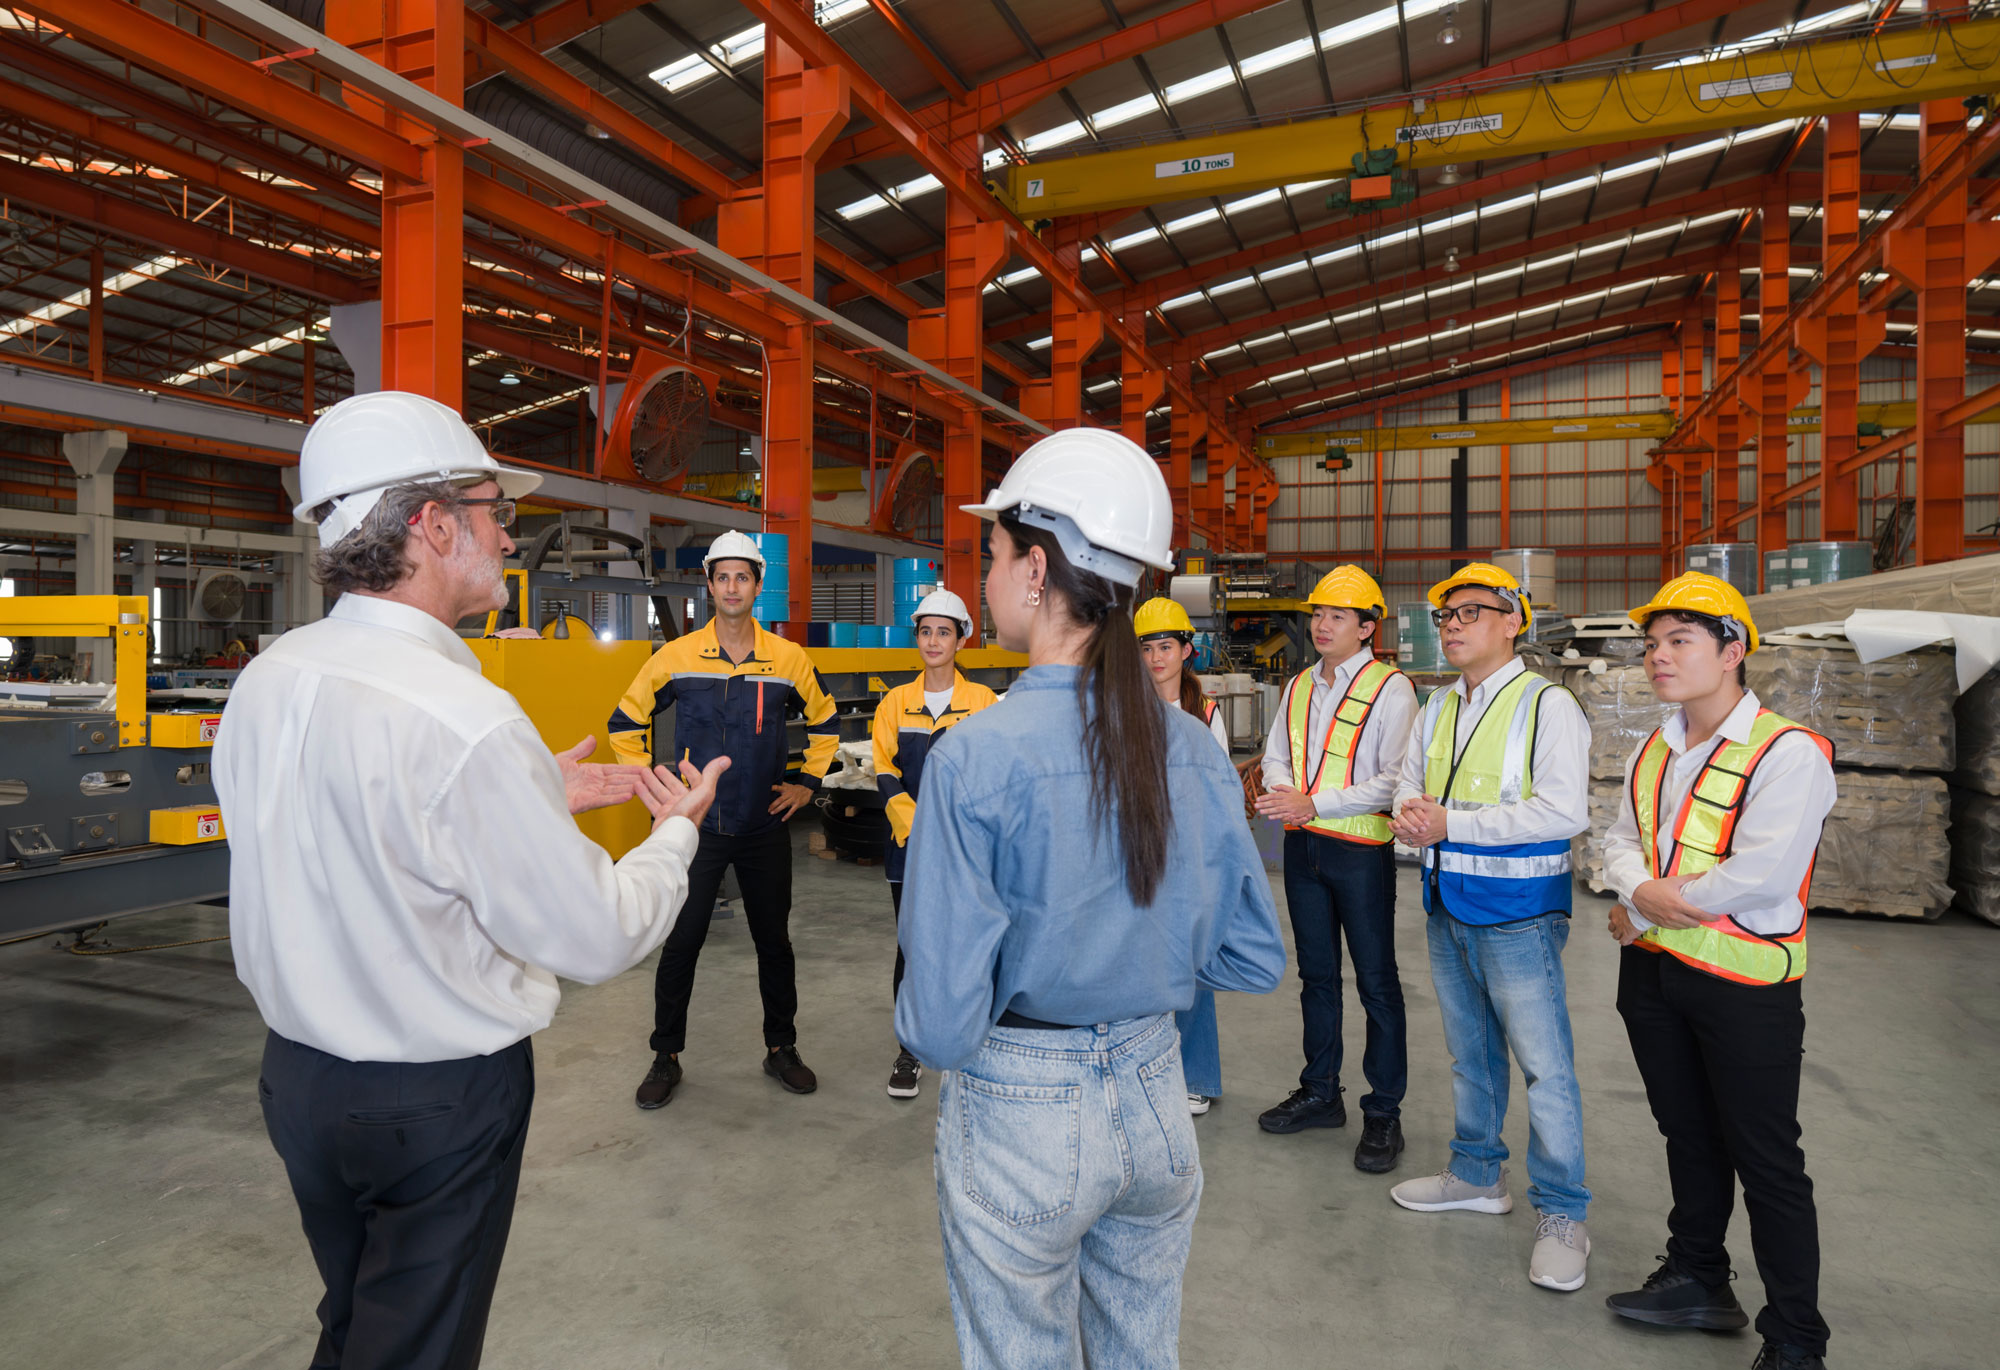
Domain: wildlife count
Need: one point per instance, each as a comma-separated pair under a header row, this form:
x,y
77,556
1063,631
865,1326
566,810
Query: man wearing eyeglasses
x,y
406,883
1494,785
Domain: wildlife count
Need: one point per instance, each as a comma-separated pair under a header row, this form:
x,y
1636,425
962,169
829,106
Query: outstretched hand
x,y
595,787
685,796
791,798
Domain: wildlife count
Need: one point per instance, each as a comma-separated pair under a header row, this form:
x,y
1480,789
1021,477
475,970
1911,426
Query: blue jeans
x,y
1501,987
1067,1179
1334,886
1201,1047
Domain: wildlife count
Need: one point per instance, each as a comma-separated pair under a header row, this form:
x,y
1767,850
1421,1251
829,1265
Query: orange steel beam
x,y
558,25
1687,264
1841,352
1139,389
1769,394
919,49
1185,429
423,216
956,165
1943,273
181,55
1272,417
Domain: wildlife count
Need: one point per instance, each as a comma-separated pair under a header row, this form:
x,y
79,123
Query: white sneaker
x,y
1562,1251
1444,1191
1198,1104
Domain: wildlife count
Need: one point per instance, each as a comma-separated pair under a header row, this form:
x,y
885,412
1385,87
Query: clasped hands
x,y
664,794
1661,903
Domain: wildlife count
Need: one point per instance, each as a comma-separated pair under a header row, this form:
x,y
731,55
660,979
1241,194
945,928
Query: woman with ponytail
x,y
1166,643
1044,965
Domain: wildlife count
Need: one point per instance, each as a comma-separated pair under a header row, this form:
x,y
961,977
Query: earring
x,y
1034,597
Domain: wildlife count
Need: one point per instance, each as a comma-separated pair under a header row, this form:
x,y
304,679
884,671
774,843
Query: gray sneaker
x,y
1562,1250
1444,1191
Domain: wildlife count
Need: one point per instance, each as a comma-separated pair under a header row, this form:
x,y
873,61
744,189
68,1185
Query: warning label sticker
x,y
1449,128
1747,85
1193,166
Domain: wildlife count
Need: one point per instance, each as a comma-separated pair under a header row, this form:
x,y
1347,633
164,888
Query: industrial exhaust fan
x,y
661,421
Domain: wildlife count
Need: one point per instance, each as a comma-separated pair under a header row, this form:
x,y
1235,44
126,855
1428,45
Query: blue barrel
x,y
873,635
776,548
902,635
843,635
773,606
817,635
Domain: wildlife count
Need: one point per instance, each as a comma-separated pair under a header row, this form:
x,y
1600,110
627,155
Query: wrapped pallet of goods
x,y
1885,849
1894,714
1586,849
1975,853
1623,712
1977,718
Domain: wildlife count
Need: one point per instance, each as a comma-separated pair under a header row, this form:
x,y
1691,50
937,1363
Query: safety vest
x,y
1336,757
1485,885
1701,839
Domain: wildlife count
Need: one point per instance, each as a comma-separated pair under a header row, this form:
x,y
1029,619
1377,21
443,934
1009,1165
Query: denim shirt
x,y
1017,900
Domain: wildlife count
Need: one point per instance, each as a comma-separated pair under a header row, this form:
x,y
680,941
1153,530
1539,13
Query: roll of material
x,y
1735,562
1201,596
1777,570
1534,568
1822,563
1418,649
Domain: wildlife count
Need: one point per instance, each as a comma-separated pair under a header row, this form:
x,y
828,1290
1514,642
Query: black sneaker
x,y
903,1076
1670,1298
1781,1356
658,1086
1304,1109
784,1066
1381,1144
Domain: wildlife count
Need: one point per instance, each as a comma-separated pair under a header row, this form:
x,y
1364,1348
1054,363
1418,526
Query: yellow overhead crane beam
x,y
1871,420
1929,59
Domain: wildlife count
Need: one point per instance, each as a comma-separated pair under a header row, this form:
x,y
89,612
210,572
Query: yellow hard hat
x,y
1696,593
1490,577
1349,587
1161,615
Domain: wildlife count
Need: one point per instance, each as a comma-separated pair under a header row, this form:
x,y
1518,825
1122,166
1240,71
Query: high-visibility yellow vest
x,y
1336,757
1701,839
1486,885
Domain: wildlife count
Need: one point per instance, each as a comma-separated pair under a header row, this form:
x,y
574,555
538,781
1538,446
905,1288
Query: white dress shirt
x,y
405,879
1559,769
1378,752
1757,884
1219,726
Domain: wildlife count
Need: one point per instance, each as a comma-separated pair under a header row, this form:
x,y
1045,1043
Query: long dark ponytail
x,y
1192,699
1124,727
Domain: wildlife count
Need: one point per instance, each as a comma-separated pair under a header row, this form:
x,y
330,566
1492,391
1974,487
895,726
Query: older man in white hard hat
x,y
406,882
907,721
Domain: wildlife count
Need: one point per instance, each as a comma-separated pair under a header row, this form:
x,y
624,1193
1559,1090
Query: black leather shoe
x,y
1381,1143
1304,1109
658,1086
1780,1356
1670,1298
784,1066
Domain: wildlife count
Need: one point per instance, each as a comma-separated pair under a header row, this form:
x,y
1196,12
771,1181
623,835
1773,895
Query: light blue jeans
x,y
1502,987
1068,1178
1201,1047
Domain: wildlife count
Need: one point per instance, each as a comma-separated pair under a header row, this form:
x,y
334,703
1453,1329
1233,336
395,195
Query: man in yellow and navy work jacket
x,y
1712,859
1330,769
732,686
910,718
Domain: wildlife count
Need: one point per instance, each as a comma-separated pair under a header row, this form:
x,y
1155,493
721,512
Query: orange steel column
x,y
423,221
1140,388
1940,449
1186,430
952,339
1506,466
1693,342
1773,401
1728,349
1074,334
1840,351
804,108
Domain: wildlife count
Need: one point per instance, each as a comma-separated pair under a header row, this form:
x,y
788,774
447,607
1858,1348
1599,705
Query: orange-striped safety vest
x,y
1336,757
1701,839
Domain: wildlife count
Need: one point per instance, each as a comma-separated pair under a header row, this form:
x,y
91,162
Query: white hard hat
x,y
943,604
366,445
1099,493
733,546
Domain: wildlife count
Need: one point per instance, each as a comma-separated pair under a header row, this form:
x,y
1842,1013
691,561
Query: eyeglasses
x,y
1467,613
503,511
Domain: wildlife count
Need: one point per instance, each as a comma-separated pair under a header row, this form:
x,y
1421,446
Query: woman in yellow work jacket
x,y
907,721
1166,641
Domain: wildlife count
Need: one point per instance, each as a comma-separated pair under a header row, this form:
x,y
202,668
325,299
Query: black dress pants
x,y
763,863
1721,1065
405,1178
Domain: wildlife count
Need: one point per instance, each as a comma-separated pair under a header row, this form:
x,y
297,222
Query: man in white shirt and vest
x,y
1331,765
1494,785
1711,858
406,882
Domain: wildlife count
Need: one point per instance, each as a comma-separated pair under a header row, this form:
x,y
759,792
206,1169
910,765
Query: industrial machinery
x,y
105,808
661,419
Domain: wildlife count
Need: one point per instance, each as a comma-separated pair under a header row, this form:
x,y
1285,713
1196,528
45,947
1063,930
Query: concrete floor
x,y
147,1223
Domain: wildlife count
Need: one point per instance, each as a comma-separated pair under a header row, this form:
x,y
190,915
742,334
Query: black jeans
x,y
405,1178
763,863
1721,1066
1334,886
